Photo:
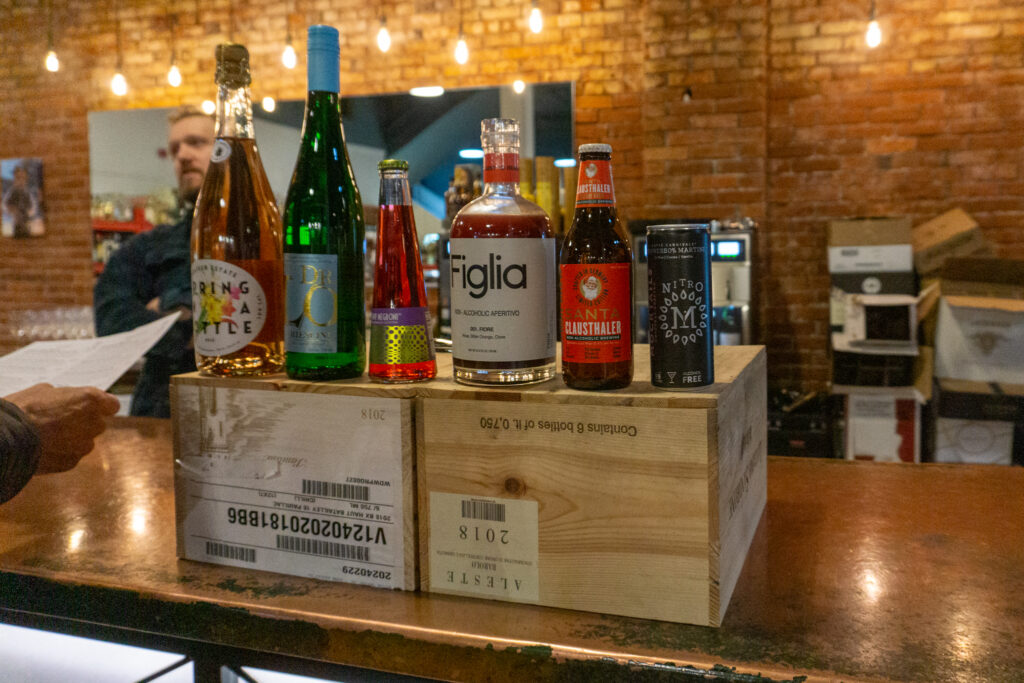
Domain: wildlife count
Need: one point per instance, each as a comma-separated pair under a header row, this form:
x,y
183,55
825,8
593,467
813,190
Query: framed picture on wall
x,y
21,187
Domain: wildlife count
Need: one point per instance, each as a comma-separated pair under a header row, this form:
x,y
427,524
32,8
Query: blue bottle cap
x,y
322,63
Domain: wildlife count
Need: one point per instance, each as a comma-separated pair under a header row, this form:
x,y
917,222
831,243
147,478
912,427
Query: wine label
x,y
596,325
229,307
484,547
303,484
503,298
311,301
399,336
595,186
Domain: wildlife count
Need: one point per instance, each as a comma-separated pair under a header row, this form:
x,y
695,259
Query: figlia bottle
x,y
401,343
237,278
325,322
502,275
596,267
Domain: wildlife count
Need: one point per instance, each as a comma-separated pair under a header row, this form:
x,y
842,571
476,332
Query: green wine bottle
x,y
325,322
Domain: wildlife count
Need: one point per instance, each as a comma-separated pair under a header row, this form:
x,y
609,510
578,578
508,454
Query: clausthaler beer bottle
x,y
596,268
325,323
237,278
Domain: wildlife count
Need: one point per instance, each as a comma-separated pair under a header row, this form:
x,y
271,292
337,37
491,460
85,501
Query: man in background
x,y
148,277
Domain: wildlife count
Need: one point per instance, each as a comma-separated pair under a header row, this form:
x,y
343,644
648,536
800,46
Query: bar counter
x,y
859,571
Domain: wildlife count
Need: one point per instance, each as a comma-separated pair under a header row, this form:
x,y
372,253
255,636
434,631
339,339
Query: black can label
x,y
679,291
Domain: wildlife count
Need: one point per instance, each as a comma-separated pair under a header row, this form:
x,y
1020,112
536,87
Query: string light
x,y
518,86
269,104
536,18
461,49
383,37
52,63
873,36
208,107
288,56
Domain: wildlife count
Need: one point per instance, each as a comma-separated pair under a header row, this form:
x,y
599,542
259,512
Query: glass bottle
x,y
596,268
401,343
502,275
237,278
325,322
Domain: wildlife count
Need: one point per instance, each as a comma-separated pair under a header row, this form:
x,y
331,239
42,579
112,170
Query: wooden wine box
x,y
309,479
637,502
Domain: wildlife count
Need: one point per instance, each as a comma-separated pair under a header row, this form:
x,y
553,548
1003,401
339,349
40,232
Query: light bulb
x,y
208,107
52,63
288,57
118,84
174,76
269,104
873,37
461,51
536,20
383,38
519,86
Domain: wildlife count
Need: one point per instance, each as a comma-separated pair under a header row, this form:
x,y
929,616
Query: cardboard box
x,y
297,478
980,339
637,502
884,423
871,266
954,234
979,423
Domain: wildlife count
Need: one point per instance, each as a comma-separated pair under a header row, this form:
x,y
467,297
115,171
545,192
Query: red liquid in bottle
x,y
399,299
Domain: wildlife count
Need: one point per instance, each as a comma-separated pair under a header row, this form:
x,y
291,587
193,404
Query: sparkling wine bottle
x,y
325,322
401,343
237,277
502,275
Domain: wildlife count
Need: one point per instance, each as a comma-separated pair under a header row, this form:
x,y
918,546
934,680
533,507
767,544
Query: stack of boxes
x,y
892,284
877,365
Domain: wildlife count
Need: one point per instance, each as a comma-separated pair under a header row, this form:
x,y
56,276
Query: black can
x,y
679,293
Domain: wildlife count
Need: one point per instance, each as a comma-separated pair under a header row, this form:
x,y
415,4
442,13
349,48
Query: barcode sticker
x,y
315,546
484,547
230,552
330,489
484,510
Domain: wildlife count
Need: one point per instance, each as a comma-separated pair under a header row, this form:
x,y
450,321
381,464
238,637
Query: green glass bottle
x,y
325,322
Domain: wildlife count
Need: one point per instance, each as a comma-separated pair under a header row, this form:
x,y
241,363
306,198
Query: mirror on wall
x,y
132,180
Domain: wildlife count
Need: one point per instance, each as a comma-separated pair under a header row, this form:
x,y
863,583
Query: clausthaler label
x,y
229,307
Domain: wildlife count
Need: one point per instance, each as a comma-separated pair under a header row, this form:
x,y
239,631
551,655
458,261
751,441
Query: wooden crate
x,y
310,479
638,502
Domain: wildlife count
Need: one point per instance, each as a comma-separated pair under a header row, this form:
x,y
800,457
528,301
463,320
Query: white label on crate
x,y
485,547
302,484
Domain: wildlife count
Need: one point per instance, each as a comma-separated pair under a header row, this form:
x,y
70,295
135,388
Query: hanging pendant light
x,y
383,37
873,36
119,84
51,61
536,18
173,73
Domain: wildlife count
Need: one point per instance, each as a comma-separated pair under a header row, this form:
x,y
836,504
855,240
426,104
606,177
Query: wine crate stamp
x,y
638,502
312,480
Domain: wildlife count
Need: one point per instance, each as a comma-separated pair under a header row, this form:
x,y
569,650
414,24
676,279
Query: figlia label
x,y
229,307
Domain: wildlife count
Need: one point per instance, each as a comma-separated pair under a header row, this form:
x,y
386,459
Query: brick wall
x,y
793,120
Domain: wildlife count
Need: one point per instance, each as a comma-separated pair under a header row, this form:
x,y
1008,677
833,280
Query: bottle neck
x,y
394,189
595,188
322,110
501,173
234,112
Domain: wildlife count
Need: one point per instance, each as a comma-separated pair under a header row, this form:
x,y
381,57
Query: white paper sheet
x,y
97,362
